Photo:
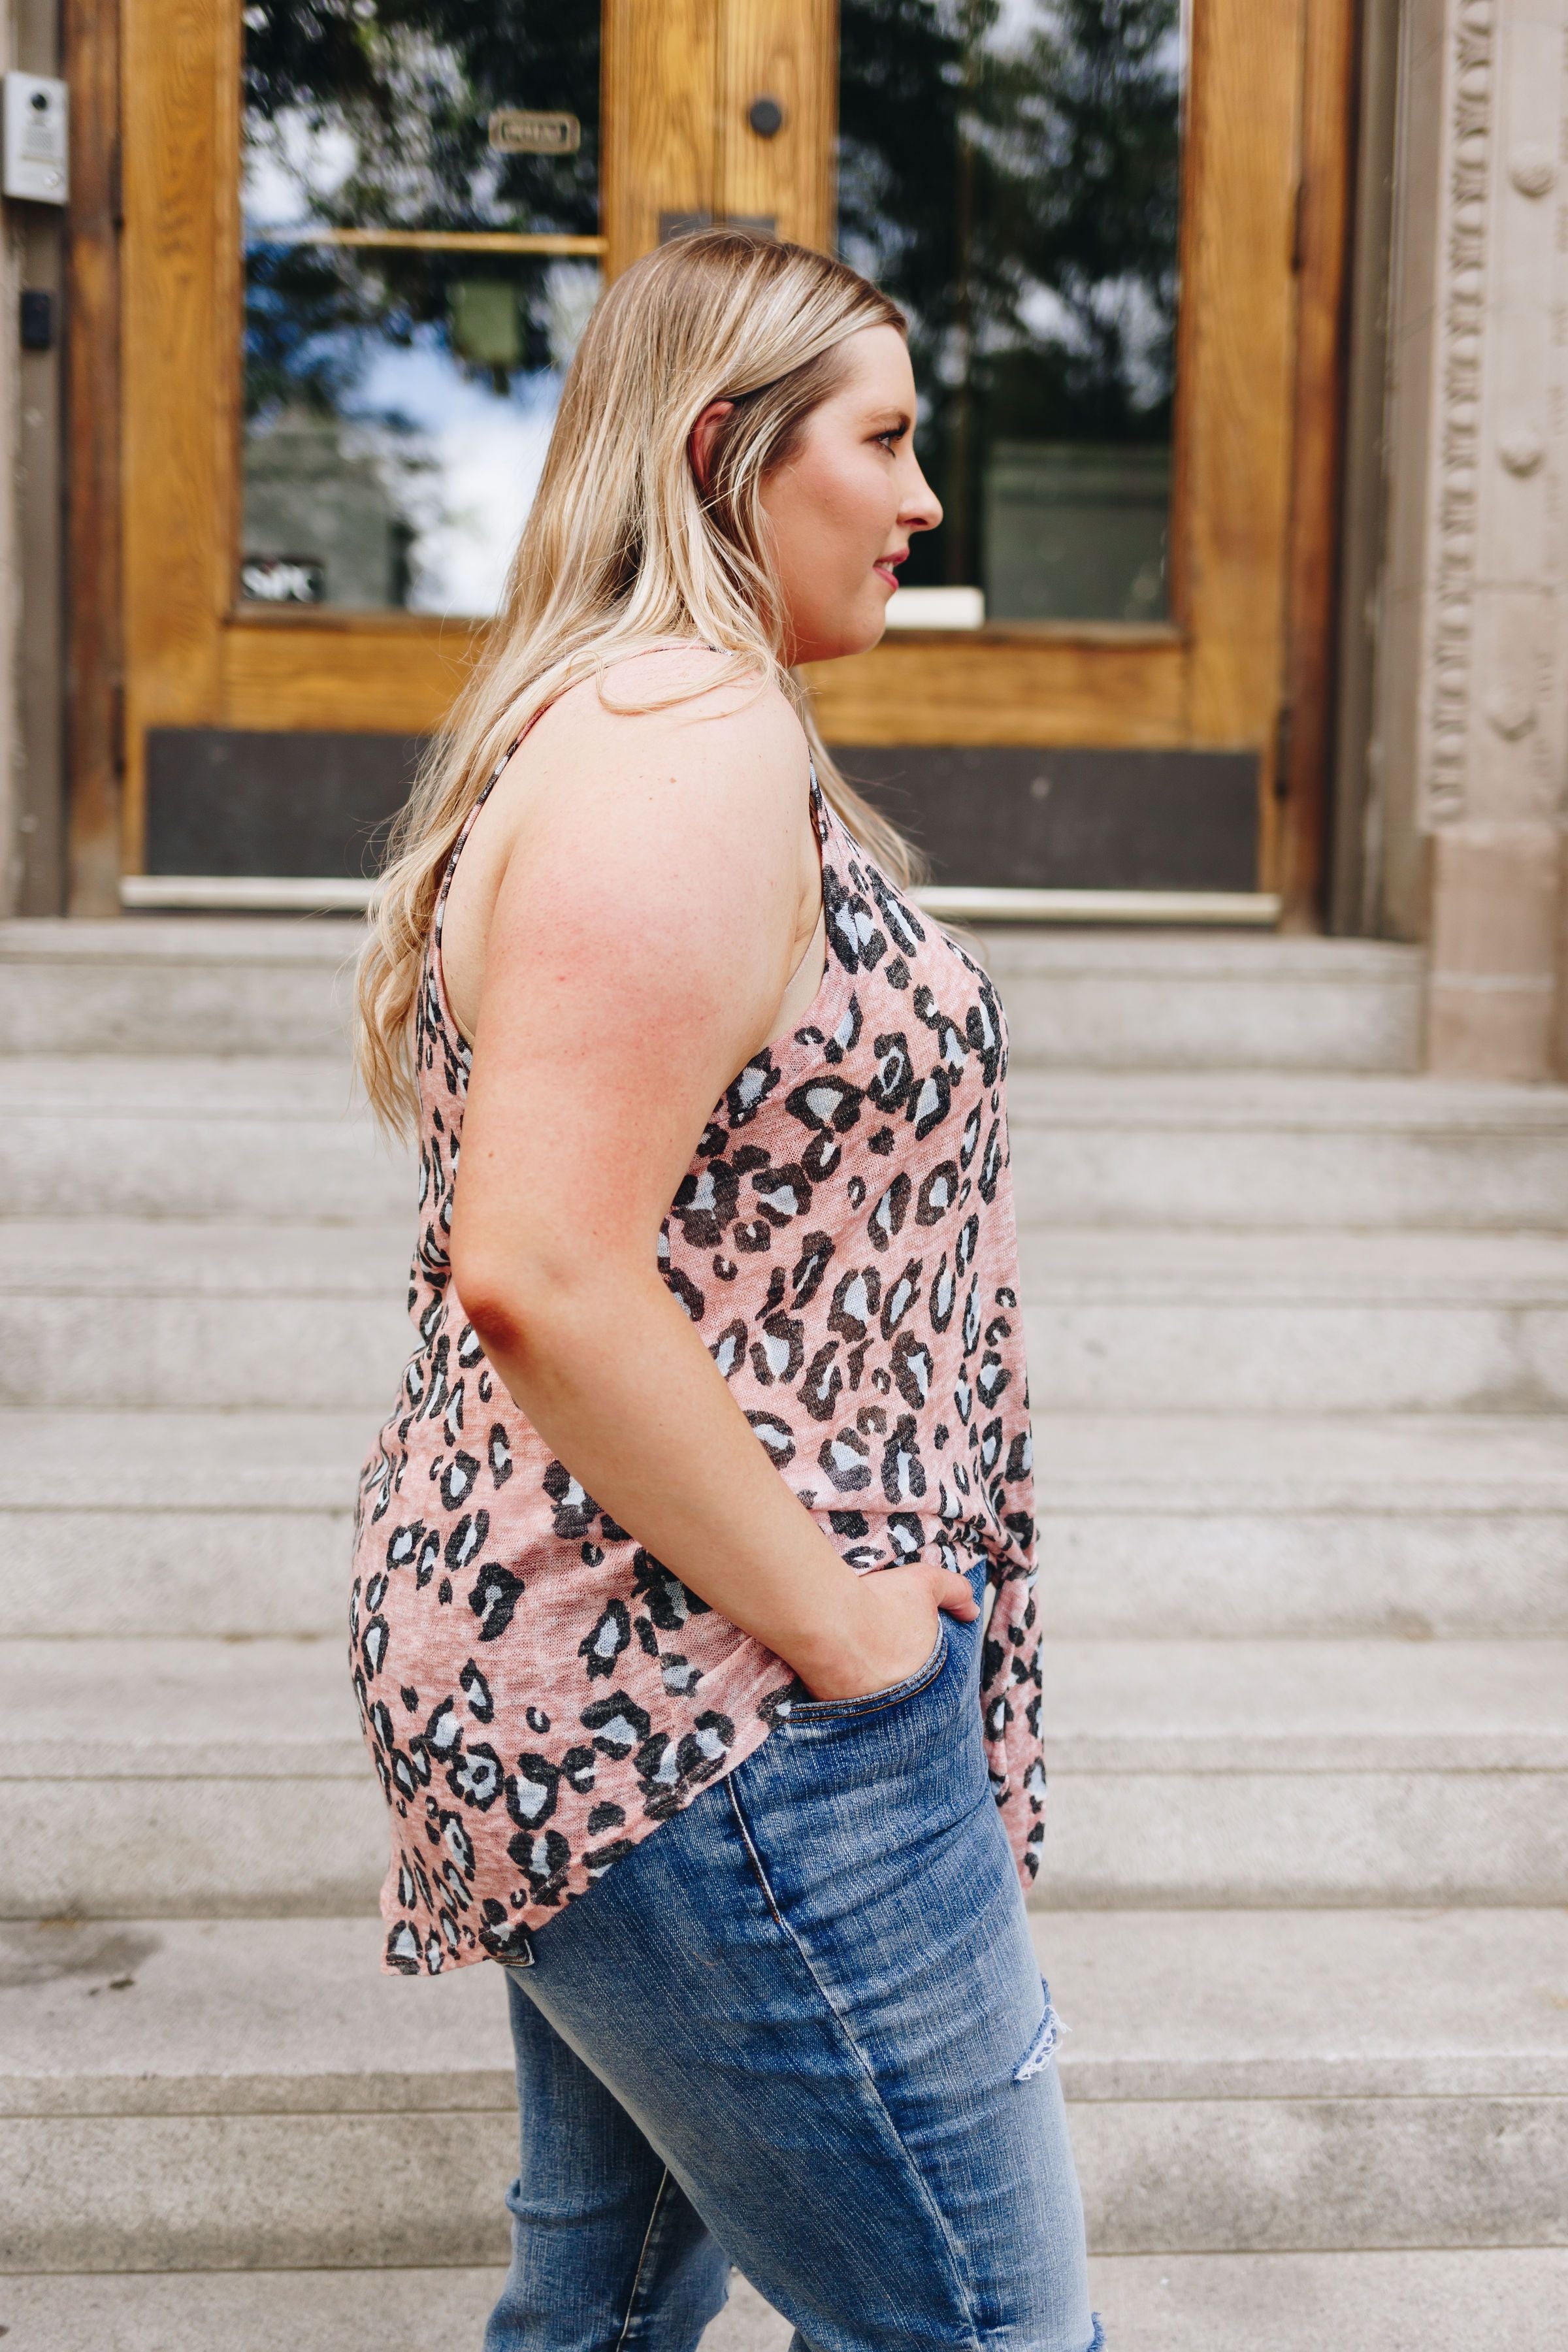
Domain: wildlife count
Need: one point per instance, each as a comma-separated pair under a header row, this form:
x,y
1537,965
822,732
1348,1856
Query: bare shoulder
x,y
678,706
673,807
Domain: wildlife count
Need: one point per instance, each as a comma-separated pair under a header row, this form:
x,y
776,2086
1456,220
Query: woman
x,y
667,1617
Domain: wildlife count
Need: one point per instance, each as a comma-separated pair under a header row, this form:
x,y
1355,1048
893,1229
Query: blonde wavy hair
x,y
624,550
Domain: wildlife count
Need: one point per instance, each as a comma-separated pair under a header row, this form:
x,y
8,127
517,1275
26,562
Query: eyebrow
x,y
890,417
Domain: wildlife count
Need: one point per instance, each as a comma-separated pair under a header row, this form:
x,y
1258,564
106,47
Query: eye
x,y
891,438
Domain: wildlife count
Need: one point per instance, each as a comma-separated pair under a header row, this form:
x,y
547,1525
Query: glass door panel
x,y
1009,171
420,207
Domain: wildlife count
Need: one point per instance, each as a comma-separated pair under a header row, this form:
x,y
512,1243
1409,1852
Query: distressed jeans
x,y
801,2030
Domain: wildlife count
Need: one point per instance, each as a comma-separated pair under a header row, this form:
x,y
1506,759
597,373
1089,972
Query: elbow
x,y
500,1302
525,1309
494,1313
537,1287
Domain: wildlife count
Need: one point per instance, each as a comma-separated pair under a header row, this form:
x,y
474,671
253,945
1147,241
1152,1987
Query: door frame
x,y
94,681
1243,664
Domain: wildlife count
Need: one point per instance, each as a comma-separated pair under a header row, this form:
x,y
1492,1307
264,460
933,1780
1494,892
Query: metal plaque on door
x,y
518,131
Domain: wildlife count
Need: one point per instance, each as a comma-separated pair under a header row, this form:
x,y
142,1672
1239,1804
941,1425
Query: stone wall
x,y
13,777
1472,694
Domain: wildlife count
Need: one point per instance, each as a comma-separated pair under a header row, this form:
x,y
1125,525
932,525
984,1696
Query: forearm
x,y
620,1387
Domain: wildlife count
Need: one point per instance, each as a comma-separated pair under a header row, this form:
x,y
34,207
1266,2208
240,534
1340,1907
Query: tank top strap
x,y
824,820
467,824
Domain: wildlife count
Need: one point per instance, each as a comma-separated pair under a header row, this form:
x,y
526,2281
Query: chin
x,y
867,628
856,637
857,634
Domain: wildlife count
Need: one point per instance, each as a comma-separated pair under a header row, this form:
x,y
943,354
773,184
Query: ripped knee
x,y
1042,2049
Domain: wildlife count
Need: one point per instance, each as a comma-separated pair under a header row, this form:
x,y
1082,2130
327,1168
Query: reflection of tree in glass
x,y
413,83
374,113
1010,174
305,322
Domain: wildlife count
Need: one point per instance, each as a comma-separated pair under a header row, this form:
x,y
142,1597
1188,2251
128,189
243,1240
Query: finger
x,y
953,1593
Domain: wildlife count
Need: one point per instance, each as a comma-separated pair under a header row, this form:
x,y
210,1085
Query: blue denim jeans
x,y
801,2028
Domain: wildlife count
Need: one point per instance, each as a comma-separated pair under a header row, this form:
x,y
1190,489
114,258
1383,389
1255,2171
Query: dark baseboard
x,y
1069,820
227,801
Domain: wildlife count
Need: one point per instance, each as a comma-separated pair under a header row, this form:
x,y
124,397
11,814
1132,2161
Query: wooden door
x,y
218,675
1164,762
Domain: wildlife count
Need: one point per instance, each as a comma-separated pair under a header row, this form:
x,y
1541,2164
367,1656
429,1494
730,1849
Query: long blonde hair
x,y
622,551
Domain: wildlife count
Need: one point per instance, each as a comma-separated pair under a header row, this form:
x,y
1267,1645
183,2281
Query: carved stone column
x,y
1487,277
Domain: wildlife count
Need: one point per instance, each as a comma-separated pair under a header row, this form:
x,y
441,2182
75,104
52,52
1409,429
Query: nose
x,y
921,509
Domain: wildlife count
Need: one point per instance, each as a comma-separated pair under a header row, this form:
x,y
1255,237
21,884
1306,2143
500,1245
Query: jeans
x,y
801,2028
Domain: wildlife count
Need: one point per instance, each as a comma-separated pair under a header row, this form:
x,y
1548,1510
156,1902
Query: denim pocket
x,y
871,1703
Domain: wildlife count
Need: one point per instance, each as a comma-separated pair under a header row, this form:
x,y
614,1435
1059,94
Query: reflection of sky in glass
x,y
457,447
485,454
1045,314
1017,21
290,161
460,461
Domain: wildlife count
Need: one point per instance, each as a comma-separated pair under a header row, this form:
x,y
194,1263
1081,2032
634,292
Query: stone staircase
x,y
1299,1354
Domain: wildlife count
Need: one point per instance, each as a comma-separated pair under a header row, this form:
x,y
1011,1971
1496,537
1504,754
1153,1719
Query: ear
x,y
700,444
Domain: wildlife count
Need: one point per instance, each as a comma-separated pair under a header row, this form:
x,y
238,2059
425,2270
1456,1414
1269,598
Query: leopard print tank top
x,y
537,1691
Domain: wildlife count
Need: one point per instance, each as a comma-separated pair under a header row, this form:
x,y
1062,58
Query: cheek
x,y
847,503
870,499
854,530
831,523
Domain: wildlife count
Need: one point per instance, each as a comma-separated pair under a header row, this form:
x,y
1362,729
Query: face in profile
x,y
844,507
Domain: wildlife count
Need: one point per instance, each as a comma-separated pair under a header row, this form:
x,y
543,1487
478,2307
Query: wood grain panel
x,y
920,689
93,653
388,672
1235,360
1328,115
399,672
179,353
786,50
660,112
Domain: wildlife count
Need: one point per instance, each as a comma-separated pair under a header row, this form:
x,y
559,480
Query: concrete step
x,y
1151,2302
1135,1322
197,1136
1190,1524
112,1312
1278,1150
177,1523
227,2096
275,1140
1415,2302
100,1312
1173,1000
1253,1525
1258,1773
1106,999
183,984
201,1779
222,1779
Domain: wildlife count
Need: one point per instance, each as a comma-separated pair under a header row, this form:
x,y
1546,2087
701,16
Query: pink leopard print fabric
x,y
537,1691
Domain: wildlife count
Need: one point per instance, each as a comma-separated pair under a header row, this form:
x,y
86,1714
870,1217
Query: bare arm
x,y
638,953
